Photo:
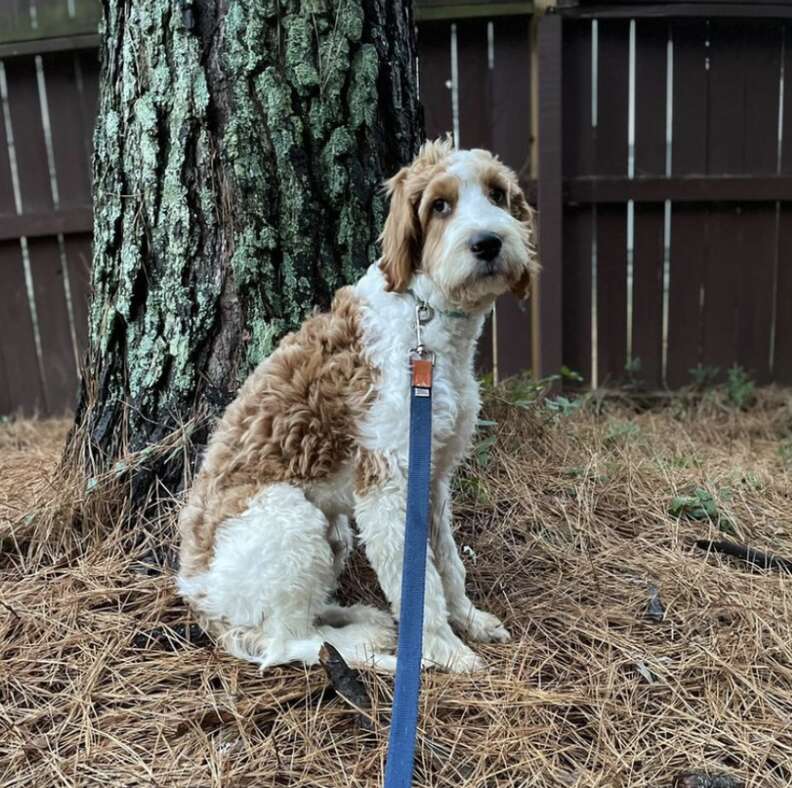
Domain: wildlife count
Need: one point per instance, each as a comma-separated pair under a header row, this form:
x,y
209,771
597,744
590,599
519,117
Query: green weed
x,y
701,505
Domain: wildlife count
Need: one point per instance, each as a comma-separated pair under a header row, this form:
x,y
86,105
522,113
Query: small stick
x,y
10,610
347,683
748,554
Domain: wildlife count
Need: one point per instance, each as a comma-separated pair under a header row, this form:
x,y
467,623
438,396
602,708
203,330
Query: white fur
x,y
273,586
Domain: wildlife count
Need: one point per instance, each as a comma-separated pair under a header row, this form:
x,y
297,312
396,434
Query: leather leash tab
x,y
422,373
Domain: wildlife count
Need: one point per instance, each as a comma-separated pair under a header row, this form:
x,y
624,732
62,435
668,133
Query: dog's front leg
x,y
462,612
380,517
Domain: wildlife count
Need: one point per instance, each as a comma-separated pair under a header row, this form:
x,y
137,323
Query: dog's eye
x,y
498,196
441,206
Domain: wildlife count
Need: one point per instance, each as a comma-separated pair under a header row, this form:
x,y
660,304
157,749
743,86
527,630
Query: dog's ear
x,y
524,214
400,236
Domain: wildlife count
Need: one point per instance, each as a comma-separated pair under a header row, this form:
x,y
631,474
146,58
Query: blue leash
x,y
404,719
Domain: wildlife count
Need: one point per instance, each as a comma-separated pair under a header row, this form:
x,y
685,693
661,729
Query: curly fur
x,y
318,435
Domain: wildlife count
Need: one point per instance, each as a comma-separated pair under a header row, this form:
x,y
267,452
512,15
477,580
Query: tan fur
x,y
293,420
401,237
412,235
371,470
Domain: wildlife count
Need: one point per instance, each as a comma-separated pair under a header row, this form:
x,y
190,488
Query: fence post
x,y
547,357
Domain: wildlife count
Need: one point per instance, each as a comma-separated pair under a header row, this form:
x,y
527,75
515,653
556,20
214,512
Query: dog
x,y
318,434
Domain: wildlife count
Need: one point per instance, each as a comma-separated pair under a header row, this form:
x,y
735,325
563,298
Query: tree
x,y
239,152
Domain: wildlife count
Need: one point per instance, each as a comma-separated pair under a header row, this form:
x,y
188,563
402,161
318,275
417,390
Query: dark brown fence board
x,y
689,244
551,206
72,167
511,93
689,223
19,346
7,203
78,256
31,151
691,86
475,130
745,61
757,252
578,139
610,223
434,63
726,130
475,85
576,316
89,95
647,318
511,140
612,97
722,280
60,373
611,230
786,143
782,361
761,46
7,403
651,42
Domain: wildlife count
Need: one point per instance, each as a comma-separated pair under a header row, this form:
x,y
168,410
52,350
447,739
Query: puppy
x,y
318,434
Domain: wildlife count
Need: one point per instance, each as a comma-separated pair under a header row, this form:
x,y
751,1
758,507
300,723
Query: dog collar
x,y
428,311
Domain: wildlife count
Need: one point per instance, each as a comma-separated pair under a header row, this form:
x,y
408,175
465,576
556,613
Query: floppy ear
x,y
400,236
524,214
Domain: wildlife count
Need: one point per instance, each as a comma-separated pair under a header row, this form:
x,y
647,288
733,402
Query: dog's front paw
x,y
451,654
485,627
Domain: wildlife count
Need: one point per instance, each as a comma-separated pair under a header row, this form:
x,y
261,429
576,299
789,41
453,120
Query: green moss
x,y
300,53
362,97
334,165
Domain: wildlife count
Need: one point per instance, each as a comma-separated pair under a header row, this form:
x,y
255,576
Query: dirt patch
x,y
564,518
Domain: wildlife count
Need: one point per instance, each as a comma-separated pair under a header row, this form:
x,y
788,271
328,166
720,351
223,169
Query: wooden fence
x,y
48,87
664,182
671,223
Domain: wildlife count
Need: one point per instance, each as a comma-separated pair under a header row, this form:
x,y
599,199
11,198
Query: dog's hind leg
x,y
269,583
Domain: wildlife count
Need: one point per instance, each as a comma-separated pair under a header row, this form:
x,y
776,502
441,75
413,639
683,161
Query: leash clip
x,y
421,359
423,314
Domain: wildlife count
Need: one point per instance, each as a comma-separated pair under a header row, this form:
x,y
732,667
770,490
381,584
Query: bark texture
x,y
240,147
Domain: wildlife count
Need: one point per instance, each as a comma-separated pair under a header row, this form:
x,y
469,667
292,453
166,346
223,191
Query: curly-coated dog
x,y
318,434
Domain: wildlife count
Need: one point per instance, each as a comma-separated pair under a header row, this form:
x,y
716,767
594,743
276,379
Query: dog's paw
x,y
485,627
452,655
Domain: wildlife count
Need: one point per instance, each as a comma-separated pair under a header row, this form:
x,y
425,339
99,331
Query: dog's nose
x,y
485,246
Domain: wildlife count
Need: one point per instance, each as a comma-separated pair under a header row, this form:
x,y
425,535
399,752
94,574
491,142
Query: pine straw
x,y
567,527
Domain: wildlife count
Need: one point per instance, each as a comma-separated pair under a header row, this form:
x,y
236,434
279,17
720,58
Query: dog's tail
x,y
362,635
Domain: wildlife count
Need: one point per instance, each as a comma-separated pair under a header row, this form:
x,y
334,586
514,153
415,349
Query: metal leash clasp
x,y
421,359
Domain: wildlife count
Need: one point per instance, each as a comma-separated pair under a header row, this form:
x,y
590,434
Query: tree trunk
x,y
240,147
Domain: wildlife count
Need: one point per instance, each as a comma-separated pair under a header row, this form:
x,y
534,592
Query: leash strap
x,y
404,719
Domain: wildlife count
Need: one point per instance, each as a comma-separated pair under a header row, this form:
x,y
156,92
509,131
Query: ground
x,y
568,514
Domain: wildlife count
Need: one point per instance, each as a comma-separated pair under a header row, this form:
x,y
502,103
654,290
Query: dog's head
x,y
459,217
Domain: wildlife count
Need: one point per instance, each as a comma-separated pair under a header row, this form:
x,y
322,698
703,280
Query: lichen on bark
x,y
239,152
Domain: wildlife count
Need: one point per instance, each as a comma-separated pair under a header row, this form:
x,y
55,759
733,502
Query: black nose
x,y
485,246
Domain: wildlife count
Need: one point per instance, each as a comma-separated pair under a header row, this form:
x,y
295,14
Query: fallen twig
x,y
748,554
347,683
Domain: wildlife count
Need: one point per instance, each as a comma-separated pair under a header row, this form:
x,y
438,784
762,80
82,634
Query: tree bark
x,y
239,152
